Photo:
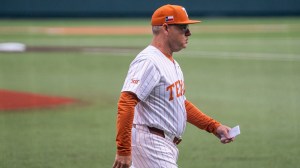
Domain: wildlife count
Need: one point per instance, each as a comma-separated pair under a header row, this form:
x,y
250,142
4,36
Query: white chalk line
x,y
248,41
212,55
243,55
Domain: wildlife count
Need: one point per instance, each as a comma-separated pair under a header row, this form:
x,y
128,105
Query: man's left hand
x,y
223,134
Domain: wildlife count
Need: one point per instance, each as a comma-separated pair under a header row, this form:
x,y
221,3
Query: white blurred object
x,y
234,131
12,47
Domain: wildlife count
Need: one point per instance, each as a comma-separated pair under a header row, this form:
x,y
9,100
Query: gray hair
x,y
156,29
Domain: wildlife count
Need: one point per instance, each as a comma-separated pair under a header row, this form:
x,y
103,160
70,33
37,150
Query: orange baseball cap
x,y
171,14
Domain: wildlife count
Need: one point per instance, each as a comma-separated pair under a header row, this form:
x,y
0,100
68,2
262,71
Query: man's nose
x,y
188,32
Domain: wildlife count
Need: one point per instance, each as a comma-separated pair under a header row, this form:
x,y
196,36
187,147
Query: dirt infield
x,y
13,100
97,30
79,49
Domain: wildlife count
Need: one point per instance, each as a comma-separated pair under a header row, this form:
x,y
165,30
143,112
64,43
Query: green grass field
x,y
247,75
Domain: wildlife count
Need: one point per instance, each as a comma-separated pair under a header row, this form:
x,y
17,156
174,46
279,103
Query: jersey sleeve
x,y
196,117
142,77
126,104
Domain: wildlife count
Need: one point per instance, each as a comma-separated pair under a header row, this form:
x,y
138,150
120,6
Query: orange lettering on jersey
x,y
135,81
179,88
171,91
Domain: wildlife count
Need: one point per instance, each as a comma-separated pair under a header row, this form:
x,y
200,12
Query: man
x,y
152,108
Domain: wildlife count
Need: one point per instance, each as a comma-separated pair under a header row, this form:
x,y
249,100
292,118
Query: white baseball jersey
x,y
158,82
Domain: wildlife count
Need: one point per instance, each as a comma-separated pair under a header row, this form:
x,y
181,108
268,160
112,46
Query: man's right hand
x,y
122,161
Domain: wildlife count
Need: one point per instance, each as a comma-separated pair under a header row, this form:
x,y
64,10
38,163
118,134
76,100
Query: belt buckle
x,y
177,140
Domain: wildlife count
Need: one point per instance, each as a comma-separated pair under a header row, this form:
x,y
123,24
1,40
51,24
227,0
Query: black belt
x,y
161,133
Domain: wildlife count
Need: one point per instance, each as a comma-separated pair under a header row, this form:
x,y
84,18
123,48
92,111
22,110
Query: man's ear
x,y
165,26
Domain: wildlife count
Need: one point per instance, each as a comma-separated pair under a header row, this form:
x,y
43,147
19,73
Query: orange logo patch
x,y
135,81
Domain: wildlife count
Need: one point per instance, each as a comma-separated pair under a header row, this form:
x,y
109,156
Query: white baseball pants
x,y
152,151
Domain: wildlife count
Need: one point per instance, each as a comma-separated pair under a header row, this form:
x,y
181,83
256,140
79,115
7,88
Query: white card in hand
x,y
234,131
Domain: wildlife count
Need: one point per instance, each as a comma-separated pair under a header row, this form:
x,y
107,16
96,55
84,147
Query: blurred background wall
x,y
142,8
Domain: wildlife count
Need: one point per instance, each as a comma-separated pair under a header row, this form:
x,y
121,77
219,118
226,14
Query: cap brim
x,y
188,22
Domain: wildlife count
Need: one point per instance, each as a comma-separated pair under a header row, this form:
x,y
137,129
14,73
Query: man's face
x,y
178,36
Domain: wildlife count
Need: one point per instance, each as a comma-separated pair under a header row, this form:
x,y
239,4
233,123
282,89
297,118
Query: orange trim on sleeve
x,y
196,117
126,104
